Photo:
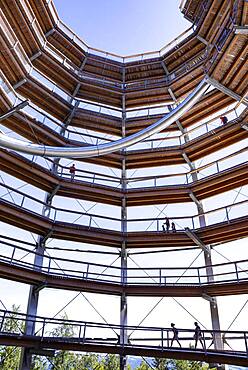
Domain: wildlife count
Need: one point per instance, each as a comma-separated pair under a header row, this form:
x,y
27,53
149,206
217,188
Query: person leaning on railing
x,y
224,120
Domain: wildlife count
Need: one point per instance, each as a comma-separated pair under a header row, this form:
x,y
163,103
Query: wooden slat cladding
x,y
42,14
98,122
20,26
66,47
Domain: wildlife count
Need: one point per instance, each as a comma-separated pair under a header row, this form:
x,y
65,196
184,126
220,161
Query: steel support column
x,y
33,301
207,251
123,303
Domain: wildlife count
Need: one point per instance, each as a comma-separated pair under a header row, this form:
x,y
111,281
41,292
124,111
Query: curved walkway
x,y
227,279
142,341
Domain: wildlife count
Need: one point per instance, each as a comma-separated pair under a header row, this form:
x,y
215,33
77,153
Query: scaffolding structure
x,y
58,91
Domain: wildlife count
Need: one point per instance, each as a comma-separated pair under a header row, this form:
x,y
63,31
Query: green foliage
x,y
144,366
10,356
168,364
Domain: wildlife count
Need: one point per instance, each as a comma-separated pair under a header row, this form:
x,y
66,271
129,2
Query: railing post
x,y
12,256
84,332
87,271
49,265
79,333
160,277
162,339
217,166
236,270
22,202
187,179
204,342
2,322
246,344
227,216
199,276
90,222
43,328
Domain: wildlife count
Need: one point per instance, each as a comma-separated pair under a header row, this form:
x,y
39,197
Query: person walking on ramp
x,y
175,335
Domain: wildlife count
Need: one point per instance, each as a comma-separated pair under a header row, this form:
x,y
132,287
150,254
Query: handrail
x,y
233,272
139,337
191,221
104,325
133,180
100,176
189,173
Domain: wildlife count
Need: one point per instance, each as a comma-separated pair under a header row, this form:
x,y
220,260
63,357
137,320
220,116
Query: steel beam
x,y
36,55
20,83
207,256
26,355
14,110
209,298
123,303
227,91
188,161
245,127
197,241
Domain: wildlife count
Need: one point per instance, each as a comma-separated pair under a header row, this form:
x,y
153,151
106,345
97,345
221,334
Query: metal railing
x,y
160,338
215,216
185,178
89,139
224,273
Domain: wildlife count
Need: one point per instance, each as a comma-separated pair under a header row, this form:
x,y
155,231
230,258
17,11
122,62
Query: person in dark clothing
x,y
166,225
72,170
175,335
198,335
224,120
173,227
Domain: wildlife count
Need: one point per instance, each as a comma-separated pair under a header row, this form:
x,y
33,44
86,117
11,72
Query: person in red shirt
x,y
224,120
72,170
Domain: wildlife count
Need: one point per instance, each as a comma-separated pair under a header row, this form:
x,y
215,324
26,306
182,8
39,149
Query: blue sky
x,y
124,26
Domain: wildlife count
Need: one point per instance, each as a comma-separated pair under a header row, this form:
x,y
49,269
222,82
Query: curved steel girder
x,y
106,148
